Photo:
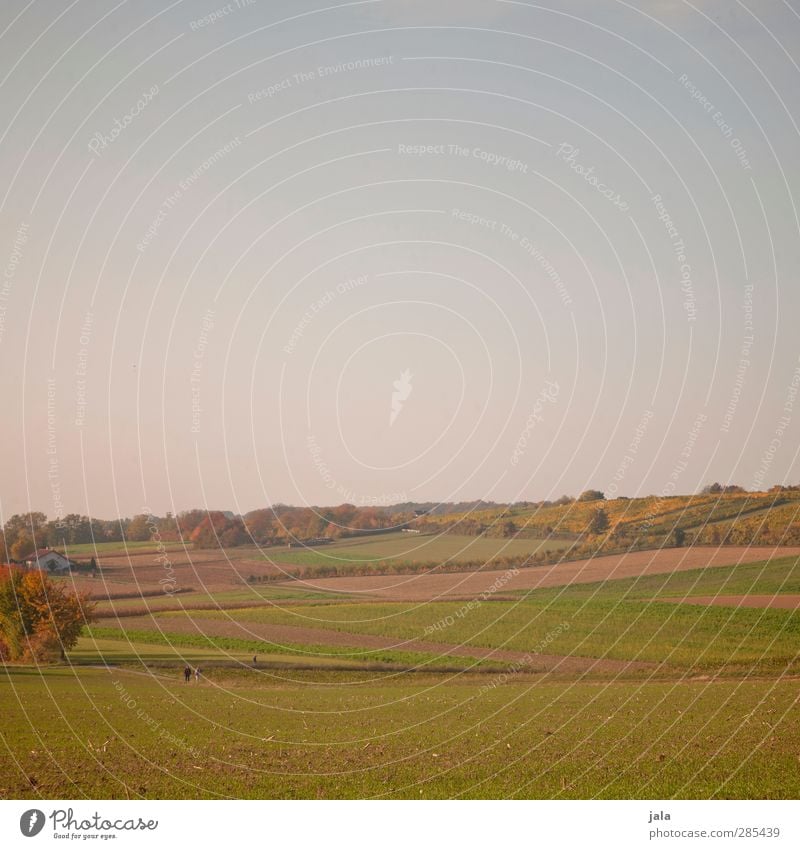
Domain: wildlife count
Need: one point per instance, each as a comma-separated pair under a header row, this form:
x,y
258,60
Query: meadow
x,y
321,734
419,548
197,600
110,646
778,576
89,549
414,548
691,637
608,689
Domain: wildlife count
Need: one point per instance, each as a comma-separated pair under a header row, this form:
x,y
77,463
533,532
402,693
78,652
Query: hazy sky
x,y
383,251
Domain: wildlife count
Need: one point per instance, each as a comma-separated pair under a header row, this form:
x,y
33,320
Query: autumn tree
x,y
599,523
219,531
509,529
139,529
205,535
23,546
39,620
30,524
315,526
73,529
15,619
333,531
261,526
234,534
188,520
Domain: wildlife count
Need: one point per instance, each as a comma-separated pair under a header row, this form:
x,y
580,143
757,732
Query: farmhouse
x,y
48,560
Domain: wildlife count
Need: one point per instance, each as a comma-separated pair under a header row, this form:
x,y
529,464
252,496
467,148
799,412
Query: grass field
x,y
319,735
257,595
686,636
145,569
422,548
122,646
599,689
763,578
167,657
87,549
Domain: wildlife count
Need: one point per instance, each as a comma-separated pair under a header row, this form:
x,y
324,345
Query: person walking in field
x,y
187,674
197,673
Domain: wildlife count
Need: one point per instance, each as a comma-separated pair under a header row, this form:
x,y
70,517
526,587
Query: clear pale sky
x,y
212,302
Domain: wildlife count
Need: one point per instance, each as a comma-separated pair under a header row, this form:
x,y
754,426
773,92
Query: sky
x,y
383,251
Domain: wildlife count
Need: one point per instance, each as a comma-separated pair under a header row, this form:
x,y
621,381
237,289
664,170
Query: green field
x,y
711,709
87,549
319,735
196,600
115,646
776,577
159,656
413,548
686,636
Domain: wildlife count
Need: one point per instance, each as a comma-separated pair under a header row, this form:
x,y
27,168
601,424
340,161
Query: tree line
x,y
23,533
282,524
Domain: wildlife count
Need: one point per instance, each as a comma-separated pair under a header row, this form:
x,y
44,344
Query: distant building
x,y
50,561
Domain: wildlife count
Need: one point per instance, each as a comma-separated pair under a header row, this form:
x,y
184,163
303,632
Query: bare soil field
x,y
458,585
776,602
292,634
142,572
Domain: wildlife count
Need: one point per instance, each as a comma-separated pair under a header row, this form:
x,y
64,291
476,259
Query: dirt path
x,y
777,602
285,635
431,587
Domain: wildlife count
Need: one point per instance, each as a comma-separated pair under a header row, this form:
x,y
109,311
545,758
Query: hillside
x,y
738,518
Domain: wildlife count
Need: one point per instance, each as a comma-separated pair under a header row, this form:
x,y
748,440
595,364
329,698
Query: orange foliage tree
x,y
39,620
